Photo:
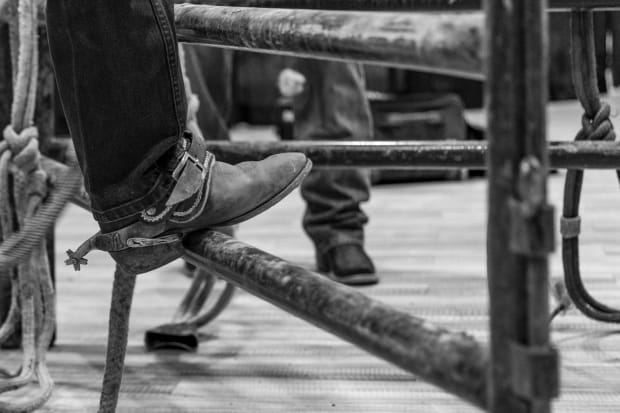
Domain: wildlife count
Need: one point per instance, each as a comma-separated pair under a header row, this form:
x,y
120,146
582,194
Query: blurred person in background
x,y
329,103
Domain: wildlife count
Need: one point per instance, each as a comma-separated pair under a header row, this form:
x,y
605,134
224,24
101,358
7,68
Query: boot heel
x,y
136,255
141,260
322,263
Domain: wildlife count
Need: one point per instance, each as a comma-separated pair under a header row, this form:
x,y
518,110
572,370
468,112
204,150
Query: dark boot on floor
x,y
347,264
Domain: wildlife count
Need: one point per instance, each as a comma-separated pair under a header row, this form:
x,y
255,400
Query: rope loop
x,y
596,125
599,128
24,146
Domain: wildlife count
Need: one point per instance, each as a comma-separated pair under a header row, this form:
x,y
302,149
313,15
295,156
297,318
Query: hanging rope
x,y
118,333
595,126
24,186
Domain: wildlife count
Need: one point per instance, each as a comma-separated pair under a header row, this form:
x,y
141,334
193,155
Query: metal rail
x,y
415,154
520,236
452,361
399,5
444,44
519,373
403,154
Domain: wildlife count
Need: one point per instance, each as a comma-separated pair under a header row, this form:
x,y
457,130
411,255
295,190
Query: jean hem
x,y
158,193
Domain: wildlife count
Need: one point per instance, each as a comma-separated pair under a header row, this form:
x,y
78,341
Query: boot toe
x,y
243,191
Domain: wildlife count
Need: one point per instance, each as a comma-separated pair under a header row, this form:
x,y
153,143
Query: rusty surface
x,y
452,361
446,43
410,5
355,5
414,154
516,96
400,154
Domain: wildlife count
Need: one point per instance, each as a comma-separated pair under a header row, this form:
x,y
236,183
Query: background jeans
x,y
117,69
333,106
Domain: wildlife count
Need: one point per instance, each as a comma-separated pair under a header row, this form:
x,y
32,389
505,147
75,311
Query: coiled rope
x,y
595,126
24,186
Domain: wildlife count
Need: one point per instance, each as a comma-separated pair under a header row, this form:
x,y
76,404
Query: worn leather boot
x,y
347,264
207,194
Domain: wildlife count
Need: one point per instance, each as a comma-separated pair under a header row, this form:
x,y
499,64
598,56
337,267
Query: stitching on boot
x,y
155,218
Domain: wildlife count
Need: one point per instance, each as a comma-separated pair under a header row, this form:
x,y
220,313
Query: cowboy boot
x,y
207,194
347,264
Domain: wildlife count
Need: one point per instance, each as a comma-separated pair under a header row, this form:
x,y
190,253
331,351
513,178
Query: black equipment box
x,y
420,116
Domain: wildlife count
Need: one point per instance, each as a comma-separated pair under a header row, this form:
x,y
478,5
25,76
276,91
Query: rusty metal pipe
x,y
399,5
353,5
455,362
395,154
523,377
415,154
447,44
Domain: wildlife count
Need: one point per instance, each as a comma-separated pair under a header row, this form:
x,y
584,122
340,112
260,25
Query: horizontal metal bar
x,y
414,154
398,154
399,5
352,5
455,362
447,44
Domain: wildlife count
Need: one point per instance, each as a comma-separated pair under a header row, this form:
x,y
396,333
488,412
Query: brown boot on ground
x,y
348,264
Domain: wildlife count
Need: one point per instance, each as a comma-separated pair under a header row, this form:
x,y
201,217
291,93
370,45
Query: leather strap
x,y
190,173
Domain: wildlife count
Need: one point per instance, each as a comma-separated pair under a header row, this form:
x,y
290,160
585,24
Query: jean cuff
x,y
158,193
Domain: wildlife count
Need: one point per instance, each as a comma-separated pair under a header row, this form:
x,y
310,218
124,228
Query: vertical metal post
x,y
523,374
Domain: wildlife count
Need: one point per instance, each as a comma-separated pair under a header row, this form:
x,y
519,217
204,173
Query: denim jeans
x,y
117,68
332,107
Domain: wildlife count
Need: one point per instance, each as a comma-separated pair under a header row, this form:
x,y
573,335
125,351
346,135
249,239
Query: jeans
x,y
117,68
332,107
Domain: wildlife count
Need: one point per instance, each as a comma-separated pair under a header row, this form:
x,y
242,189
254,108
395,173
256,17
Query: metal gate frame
x,y
519,372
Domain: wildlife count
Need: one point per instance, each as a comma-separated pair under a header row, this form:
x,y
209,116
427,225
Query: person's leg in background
x,y
213,86
118,74
333,106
